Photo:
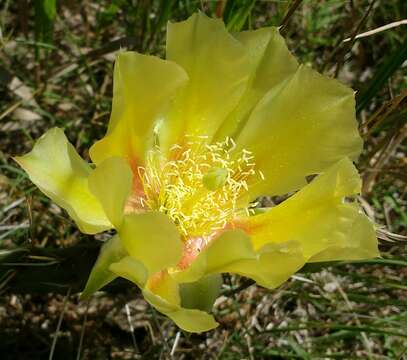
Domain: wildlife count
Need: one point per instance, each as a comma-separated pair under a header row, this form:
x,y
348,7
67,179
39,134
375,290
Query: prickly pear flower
x,y
192,142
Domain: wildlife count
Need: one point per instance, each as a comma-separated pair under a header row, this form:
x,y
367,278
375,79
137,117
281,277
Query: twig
x,y
244,285
347,48
17,104
164,340
61,317
377,30
133,338
295,4
381,114
176,341
384,154
13,204
23,225
386,235
220,8
85,318
6,278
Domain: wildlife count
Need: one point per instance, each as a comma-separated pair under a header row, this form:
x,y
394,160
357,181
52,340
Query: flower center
x,y
198,185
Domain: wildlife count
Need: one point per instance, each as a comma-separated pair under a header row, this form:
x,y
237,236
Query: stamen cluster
x,y
175,185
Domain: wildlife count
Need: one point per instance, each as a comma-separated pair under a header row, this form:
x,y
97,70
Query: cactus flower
x,y
192,143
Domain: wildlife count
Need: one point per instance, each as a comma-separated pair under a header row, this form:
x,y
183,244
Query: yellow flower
x,y
192,142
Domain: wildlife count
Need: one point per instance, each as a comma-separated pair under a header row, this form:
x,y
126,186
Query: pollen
x,y
198,185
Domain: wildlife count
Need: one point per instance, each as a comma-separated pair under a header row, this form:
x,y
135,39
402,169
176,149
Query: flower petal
x,y
111,183
364,247
201,294
274,264
60,173
162,292
272,63
318,218
233,252
111,252
306,124
166,299
231,246
218,66
192,320
152,239
130,269
142,90
165,287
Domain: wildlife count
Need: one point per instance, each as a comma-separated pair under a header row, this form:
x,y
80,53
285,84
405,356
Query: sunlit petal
x,y
218,66
319,219
233,252
305,124
274,264
142,91
271,64
152,239
61,174
111,183
229,247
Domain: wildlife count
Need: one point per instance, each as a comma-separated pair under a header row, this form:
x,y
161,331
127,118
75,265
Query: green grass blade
x,y
385,71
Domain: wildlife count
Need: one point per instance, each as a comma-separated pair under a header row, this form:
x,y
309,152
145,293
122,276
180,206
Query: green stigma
x,y
215,178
